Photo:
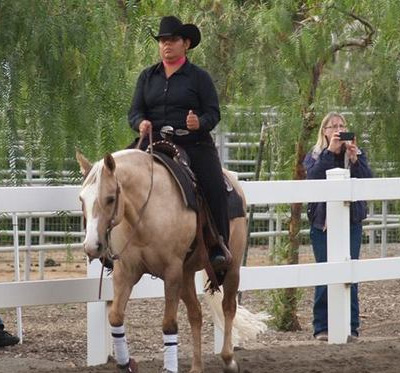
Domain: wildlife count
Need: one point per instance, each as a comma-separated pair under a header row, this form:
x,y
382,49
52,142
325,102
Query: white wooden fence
x,y
337,273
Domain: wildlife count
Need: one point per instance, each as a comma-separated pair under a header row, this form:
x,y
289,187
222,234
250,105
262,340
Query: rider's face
x,y
172,48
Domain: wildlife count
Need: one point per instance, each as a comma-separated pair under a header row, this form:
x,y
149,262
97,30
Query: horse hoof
x,y
232,367
131,367
196,371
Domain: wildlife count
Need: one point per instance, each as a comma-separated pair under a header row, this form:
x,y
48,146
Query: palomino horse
x,y
152,231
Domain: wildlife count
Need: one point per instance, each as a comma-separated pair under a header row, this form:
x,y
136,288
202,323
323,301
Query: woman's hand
x,y
335,144
192,121
352,150
145,127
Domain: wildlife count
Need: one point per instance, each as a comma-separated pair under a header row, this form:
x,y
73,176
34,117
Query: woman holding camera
x,y
335,147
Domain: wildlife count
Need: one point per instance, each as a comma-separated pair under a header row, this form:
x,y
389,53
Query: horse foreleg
x,y
231,284
172,290
195,319
122,290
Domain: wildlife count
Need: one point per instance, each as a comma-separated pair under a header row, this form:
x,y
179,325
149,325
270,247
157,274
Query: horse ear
x,y
109,162
84,164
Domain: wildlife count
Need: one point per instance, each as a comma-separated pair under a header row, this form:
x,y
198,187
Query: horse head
x,y
102,205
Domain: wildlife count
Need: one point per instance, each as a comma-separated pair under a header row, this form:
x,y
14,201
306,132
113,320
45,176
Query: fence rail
x,y
339,271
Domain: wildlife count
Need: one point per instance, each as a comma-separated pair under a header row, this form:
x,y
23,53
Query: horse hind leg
x,y
229,305
194,313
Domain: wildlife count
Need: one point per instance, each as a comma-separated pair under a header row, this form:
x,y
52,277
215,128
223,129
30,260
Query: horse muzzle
x,y
93,251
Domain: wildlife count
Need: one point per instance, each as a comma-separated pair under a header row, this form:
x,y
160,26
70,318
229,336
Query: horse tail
x,y
246,325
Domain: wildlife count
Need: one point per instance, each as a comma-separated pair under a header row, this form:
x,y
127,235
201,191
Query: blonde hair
x,y
322,143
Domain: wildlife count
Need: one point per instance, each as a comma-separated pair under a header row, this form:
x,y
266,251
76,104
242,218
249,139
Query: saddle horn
x,y
167,132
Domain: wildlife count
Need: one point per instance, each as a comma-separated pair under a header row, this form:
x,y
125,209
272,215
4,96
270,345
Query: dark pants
x,y
319,244
207,168
1,324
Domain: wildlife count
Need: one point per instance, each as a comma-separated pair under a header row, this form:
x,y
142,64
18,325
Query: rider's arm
x,y
209,102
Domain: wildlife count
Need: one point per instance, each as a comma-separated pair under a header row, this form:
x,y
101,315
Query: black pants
x,y
207,168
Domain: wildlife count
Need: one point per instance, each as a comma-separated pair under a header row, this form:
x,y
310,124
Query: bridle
x,y
112,223
108,250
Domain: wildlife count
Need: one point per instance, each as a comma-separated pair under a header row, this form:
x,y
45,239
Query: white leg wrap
x,y
171,352
121,351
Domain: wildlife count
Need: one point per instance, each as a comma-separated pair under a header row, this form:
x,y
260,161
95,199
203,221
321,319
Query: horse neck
x,y
133,172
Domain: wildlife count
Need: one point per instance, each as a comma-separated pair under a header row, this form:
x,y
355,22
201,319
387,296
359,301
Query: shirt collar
x,y
184,69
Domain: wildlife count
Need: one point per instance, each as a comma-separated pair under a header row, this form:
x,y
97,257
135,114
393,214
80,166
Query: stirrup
x,y
225,250
219,263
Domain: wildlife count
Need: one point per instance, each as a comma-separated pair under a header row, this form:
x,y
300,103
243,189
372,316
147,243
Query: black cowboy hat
x,y
172,26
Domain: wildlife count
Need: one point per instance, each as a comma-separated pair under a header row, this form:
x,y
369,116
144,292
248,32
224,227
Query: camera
x,y
346,136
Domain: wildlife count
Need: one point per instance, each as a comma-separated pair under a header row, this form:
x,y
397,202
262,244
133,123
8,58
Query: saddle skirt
x,y
176,161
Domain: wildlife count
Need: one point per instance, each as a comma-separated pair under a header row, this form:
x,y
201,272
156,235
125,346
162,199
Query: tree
x,y
316,67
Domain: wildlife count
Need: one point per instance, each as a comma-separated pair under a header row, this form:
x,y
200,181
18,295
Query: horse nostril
x,y
99,246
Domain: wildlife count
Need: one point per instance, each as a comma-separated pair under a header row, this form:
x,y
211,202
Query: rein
x,y
140,214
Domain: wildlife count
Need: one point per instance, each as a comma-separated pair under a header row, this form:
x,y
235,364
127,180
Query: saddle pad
x,y
235,204
188,187
183,179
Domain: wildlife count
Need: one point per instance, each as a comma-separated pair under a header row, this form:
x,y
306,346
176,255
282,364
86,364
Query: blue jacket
x,y
316,169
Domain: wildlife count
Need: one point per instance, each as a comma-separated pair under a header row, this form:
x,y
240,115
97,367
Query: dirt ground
x,y
55,336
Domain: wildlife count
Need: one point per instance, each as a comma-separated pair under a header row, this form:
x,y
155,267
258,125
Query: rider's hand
x,y
192,121
145,127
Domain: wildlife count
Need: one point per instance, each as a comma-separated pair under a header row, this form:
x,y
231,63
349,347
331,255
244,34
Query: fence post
x,y
278,239
372,231
99,345
223,151
338,232
28,243
271,239
28,227
17,276
42,227
384,229
218,339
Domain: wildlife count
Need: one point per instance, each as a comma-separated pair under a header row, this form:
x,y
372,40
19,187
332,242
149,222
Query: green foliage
x,y
68,70
68,79
282,302
280,308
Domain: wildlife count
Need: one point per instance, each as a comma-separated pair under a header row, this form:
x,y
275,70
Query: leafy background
x,y
68,69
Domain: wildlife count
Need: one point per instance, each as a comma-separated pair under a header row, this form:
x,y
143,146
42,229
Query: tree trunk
x,y
290,295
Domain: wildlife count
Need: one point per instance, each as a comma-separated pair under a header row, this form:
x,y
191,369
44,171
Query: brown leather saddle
x,y
175,159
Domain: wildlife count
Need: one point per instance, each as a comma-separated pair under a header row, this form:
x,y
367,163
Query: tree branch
x,y
366,23
122,5
363,42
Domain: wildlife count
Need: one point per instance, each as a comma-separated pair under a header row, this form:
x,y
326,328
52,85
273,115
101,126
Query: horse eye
x,y
110,200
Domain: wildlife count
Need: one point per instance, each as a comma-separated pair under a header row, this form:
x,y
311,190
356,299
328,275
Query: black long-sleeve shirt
x,y
167,101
